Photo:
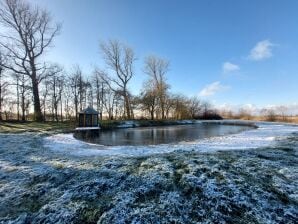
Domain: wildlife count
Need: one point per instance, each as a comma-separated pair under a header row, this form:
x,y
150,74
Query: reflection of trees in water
x,y
158,135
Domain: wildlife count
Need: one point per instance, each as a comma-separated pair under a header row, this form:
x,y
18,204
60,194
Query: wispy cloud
x,y
287,109
212,89
261,51
228,67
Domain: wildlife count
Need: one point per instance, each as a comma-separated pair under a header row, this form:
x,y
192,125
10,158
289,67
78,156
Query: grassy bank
x,y
66,127
29,126
140,123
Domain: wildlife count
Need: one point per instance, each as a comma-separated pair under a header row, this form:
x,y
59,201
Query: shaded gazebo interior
x,y
88,118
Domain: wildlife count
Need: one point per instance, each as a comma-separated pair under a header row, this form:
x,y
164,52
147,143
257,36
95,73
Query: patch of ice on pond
x,y
127,124
265,135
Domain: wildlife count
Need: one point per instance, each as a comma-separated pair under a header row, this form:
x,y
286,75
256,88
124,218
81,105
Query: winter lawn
x,y
250,177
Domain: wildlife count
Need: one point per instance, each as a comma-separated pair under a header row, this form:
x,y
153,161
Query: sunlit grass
x,y
18,127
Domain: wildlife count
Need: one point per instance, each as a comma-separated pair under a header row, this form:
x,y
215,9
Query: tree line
x,y
27,80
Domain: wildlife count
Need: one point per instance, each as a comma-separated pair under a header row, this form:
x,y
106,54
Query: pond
x,y
159,135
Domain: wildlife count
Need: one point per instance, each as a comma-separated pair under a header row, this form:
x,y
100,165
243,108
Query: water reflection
x,y
158,135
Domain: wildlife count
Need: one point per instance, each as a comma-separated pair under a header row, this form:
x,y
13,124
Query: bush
x,y
209,116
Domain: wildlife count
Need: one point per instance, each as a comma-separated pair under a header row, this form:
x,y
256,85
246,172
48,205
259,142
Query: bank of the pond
x,y
156,135
37,127
107,125
69,126
266,135
45,181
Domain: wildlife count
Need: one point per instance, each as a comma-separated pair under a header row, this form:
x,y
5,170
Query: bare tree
x,y
169,105
29,33
68,106
56,83
60,94
44,95
76,83
180,106
119,59
269,113
157,68
148,99
82,87
282,111
89,94
3,85
109,103
194,107
99,87
22,94
245,113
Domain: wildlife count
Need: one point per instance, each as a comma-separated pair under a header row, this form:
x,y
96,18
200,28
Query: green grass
x,y
50,126
19,127
31,126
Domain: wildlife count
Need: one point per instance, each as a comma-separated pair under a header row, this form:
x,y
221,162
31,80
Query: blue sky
x,y
229,52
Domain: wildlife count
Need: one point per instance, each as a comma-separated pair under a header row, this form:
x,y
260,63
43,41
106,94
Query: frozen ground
x,y
265,135
250,177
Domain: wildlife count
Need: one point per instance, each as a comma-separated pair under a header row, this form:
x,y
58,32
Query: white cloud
x,y
212,89
228,67
287,109
262,50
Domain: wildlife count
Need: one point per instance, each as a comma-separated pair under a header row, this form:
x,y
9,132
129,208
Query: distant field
x,y
289,119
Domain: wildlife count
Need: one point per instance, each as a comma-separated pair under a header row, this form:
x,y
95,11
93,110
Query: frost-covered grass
x,y
265,135
258,185
111,124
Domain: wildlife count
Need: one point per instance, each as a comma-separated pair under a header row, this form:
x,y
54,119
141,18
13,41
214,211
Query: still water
x,y
159,135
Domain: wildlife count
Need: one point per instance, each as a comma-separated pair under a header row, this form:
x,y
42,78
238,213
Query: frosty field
x,y
250,177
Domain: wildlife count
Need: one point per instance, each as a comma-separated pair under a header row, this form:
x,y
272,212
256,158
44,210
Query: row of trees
x,y
63,94
28,81
27,32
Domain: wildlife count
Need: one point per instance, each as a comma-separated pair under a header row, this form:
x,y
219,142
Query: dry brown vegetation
x,y
277,118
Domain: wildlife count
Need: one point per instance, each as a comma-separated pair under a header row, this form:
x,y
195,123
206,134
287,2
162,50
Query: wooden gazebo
x,y
88,118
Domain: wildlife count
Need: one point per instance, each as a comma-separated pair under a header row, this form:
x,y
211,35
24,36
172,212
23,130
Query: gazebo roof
x,y
88,110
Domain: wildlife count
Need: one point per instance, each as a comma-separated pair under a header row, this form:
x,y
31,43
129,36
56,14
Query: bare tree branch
x,y
29,32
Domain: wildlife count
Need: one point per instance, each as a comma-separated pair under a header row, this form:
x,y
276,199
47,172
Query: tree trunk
x,y
61,114
127,104
152,114
37,110
23,104
127,107
101,106
18,99
76,106
162,102
44,109
0,99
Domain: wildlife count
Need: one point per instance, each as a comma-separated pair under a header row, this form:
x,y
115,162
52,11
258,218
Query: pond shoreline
x,y
161,123
45,180
264,136
131,133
